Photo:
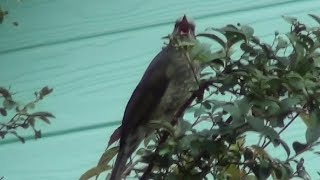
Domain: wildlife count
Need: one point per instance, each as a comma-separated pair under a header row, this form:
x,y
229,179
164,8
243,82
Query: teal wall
x,y
93,53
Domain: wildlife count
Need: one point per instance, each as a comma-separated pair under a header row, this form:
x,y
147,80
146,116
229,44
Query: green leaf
x,y
213,37
202,52
317,152
149,138
45,114
185,142
316,18
232,34
248,154
281,171
302,173
206,104
95,171
270,133
282,43
234,111
312,134
290,20
3,134
212,147
8,104
44,119
30,105
183,126
251,177
247,31
246,47
5,93
18,136
199,111
233,171
171,176
37,134
295,80
256,123
108,155
313,120
31,121
289,102
285,61
262,172
158,124
299,52
44,92
244,105
217,62
3,112
285,146
306,41
165,149
228,27
265,172
195,146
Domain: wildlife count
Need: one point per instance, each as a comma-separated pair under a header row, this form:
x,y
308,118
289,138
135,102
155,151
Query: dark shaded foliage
x,y
22,117
265,88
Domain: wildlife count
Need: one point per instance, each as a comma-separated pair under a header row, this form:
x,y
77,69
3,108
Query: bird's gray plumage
x,y
168,81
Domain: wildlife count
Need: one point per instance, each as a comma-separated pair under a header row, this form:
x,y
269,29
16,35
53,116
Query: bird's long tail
x,y
119,165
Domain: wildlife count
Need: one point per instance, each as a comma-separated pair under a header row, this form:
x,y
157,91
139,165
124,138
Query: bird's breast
x,y
182,83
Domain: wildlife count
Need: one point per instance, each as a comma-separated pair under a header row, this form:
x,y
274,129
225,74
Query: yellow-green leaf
x,y
95,171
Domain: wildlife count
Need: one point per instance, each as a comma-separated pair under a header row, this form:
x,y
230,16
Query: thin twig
x,y
192,67
284,128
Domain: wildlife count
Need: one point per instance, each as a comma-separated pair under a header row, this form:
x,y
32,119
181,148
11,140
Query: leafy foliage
x,y
3,16
265,87
22,117
3,13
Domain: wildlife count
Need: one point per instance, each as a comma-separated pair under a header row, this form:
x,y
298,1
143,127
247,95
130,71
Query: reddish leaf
x,y
3,112
5,93
25,125
3,134
19,137
8,103
45,119
299,147
42,114
115,136
214,37
31,121
108,155
37,134
45,91
95,171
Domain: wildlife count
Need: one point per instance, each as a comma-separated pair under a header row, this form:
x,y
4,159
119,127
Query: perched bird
x,y
167,83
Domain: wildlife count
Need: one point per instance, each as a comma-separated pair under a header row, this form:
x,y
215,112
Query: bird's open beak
x,y
184,27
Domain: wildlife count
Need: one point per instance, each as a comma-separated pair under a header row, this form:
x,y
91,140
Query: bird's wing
x,y
147,95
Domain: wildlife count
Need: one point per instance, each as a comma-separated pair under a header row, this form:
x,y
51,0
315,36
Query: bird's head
x,y
184,28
